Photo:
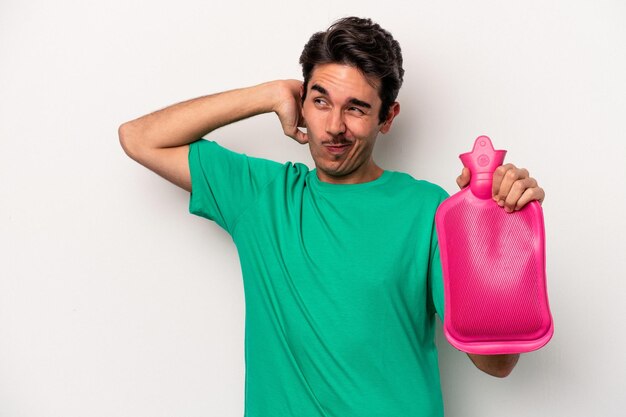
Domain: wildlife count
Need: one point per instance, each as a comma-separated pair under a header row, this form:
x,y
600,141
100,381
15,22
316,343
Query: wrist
x,y
275,93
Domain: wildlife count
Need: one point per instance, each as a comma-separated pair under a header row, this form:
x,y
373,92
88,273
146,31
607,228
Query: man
x,y
341,267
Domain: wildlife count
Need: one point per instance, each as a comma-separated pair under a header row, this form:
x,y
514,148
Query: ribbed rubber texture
x,y
493,264
495,285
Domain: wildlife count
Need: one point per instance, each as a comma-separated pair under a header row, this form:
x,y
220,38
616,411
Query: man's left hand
x,y
512,189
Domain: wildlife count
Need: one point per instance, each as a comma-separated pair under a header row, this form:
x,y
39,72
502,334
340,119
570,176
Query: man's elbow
x,y
127,136
500,371
499,366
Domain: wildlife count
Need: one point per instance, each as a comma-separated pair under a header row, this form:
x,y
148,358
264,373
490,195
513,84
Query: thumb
x,y
295,133
301,137
463,180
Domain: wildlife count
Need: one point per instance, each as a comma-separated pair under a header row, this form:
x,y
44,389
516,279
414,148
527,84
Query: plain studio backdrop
x,y
115,301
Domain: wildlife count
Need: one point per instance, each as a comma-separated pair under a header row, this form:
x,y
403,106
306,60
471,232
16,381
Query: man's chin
x,y
333,173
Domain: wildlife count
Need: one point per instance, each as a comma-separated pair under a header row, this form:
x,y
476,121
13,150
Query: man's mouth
x,y
337,148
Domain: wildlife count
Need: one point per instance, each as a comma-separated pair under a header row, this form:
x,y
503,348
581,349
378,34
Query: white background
x,y
114,301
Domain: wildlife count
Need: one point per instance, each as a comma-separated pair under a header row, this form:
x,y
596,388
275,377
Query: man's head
x,y
362,44
352,75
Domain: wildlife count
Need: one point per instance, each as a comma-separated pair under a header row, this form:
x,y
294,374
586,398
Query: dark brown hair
x,y
364,45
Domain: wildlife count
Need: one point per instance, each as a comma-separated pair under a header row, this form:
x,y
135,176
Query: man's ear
x,y
394,110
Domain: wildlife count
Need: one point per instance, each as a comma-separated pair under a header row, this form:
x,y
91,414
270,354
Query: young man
x,y
341,266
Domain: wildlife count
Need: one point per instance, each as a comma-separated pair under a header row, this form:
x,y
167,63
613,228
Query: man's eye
x,y
356,110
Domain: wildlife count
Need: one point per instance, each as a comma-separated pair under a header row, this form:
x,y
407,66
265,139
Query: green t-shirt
x,y
341,283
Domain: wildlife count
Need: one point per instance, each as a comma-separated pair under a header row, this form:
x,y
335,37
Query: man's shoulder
x,y
418,187
207,149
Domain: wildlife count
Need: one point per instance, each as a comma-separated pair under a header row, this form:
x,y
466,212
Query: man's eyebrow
x,y
353,100
319,88
360,103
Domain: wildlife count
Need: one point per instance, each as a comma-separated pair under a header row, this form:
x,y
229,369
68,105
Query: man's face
x,y
341,113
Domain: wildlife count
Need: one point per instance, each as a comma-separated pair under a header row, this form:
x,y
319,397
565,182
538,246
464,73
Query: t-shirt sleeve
x,y
224,183
436,279
435,274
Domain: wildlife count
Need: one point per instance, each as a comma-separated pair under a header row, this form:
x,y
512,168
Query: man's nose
x,y
335,124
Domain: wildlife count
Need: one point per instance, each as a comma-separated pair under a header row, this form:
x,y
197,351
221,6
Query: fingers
x,y
290,124
288,108
518,188
463,179
503,179
531,194
513,188
295,133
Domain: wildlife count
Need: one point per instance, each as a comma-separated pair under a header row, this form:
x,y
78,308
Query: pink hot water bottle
x,y
493,265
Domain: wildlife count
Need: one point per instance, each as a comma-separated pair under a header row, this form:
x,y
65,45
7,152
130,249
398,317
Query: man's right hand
x,y
288,108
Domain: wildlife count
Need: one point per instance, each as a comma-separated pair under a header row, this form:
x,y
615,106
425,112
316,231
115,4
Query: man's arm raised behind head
x,y
159,140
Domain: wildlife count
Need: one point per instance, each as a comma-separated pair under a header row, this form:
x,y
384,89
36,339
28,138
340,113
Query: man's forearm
x,y
159,141
186,122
